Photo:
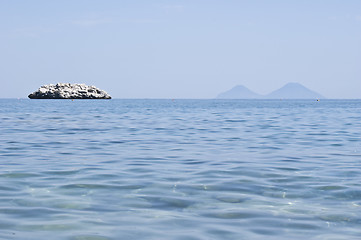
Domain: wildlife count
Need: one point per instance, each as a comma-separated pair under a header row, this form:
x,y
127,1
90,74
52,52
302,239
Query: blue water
x,y
181,169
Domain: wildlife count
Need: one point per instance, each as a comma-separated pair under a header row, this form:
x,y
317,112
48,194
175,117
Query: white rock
x,y
69,91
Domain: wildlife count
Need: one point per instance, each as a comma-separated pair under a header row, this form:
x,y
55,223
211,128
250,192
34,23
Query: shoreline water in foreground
x,y
182,169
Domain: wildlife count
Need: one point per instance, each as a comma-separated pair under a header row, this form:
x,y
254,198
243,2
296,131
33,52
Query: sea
x,y
180,169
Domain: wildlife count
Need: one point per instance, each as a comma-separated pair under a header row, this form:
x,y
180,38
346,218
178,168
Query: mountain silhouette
x,y
288,91
293,91
239,92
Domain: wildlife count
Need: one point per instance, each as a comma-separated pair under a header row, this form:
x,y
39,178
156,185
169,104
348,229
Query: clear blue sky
x,y
181,49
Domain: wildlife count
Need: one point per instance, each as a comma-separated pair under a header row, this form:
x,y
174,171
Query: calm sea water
x,y
182,169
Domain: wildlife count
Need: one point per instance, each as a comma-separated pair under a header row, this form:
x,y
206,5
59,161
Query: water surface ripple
x,y
181,169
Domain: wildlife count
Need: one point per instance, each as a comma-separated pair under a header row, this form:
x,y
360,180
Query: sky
x,y
181,49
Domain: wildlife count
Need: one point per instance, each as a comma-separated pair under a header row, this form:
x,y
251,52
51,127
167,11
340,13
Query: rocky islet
x,y
69,91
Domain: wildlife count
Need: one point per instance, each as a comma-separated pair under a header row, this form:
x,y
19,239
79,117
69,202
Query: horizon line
x,y
218,99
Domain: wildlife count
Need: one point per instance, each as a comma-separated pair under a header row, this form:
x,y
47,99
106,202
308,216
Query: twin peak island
x,y
289,91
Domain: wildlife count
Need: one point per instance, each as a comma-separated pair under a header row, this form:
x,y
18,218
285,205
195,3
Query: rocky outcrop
x,y
69,91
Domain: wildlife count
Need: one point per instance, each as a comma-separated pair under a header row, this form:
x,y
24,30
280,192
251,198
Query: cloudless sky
x,y
181,49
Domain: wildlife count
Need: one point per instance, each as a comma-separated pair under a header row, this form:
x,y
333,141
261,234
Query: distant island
x,y
288,91
69,91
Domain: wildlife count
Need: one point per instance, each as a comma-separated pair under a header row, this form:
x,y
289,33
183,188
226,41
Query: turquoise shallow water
x,y
182,169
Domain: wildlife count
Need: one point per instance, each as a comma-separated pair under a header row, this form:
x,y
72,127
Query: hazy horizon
x,y
181,49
